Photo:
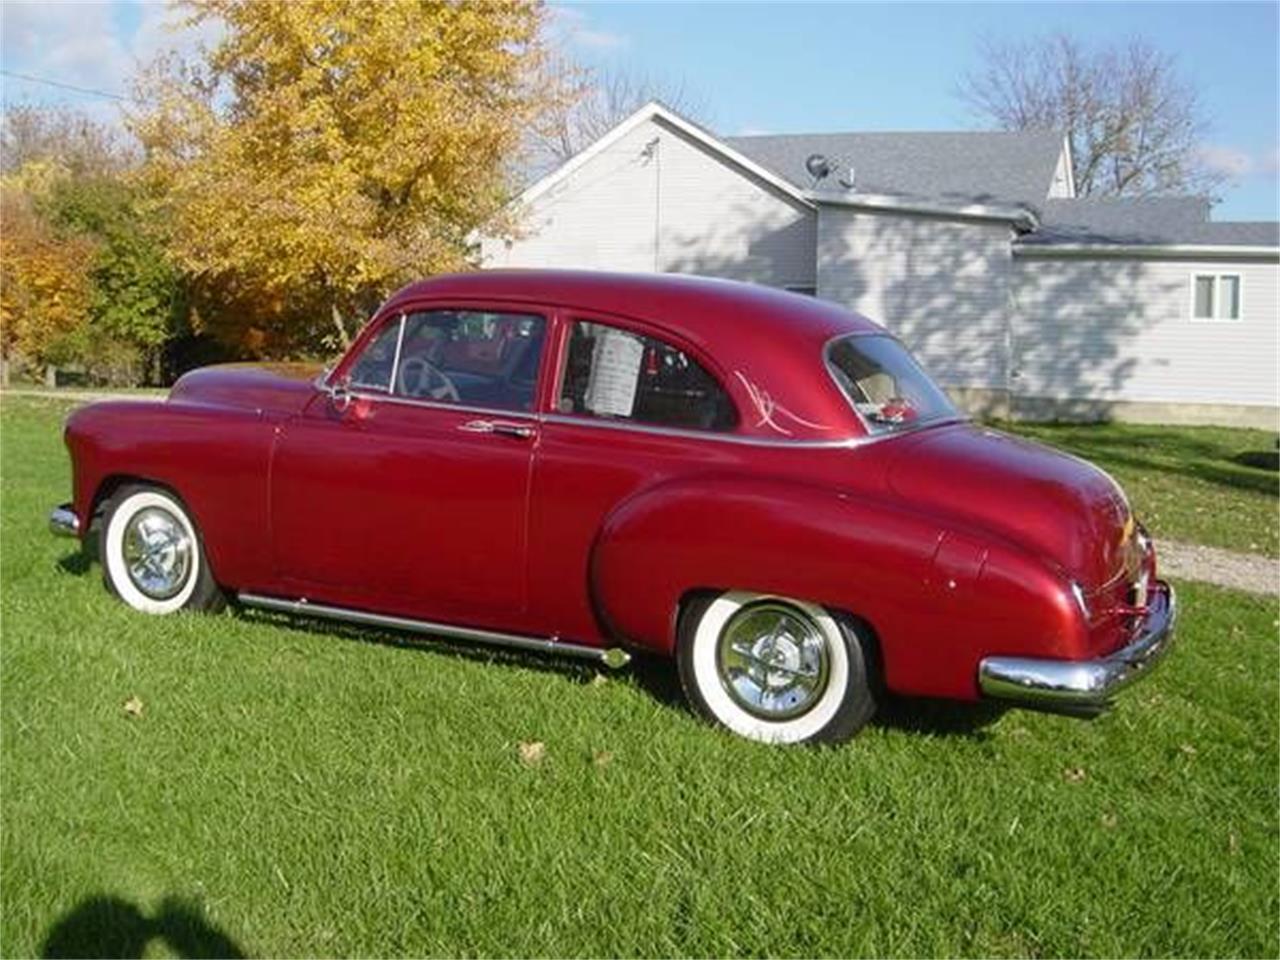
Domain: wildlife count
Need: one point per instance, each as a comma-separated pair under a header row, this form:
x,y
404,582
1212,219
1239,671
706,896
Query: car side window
x,y
476,358
619,375
372,369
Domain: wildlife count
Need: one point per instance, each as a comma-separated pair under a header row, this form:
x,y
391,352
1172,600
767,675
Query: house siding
x,y
1120,330
941,285
672,207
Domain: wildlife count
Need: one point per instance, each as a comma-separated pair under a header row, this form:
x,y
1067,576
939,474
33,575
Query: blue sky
x,y
785,68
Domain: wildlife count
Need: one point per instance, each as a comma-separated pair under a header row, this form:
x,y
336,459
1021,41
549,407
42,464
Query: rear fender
x,y
934,615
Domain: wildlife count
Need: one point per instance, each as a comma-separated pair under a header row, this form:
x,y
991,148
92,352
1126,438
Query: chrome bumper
x,y
1085,686
64,522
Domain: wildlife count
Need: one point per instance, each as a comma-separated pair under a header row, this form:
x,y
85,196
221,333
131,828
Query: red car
x,y
761,485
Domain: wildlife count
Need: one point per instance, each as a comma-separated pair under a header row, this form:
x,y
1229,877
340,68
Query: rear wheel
x,y
152,556
774,669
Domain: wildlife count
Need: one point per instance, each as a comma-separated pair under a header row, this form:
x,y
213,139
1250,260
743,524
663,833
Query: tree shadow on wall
x,y
108,926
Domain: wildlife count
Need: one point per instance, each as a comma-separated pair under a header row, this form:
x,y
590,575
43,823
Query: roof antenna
x,y
819,167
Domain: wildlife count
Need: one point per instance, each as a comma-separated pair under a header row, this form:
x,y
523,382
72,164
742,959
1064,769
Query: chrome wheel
x,y
157,552
772,660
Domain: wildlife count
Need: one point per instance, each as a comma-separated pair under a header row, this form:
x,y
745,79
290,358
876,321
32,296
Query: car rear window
x,y
888,389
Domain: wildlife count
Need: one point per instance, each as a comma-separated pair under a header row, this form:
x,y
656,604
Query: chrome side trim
x,y
612,657
1086,685
644,428
63,521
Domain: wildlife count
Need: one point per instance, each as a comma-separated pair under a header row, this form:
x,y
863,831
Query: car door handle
x,y
520,431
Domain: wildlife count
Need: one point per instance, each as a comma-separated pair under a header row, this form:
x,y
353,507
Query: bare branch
x,y
1133,125
599,101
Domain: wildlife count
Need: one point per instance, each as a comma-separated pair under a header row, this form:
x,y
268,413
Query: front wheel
x,y
152,557
774,669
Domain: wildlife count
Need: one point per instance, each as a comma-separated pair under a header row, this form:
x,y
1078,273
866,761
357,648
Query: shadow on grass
x,y
655,675
579,671
1259,459
1164,451
939,718
107,926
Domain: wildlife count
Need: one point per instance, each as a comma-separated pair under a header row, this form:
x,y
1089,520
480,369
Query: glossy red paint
x,y
952,542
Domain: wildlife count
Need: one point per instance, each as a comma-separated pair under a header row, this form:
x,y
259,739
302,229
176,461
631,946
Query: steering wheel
x,y
419,377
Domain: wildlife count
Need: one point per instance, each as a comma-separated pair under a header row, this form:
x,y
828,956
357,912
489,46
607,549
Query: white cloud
x,y
82,44
750,131
70,43
573,27
1237,163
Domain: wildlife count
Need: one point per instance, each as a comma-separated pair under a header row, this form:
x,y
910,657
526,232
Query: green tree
x,y
136,301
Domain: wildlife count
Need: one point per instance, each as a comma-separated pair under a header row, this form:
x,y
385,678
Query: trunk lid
x,y
1055,505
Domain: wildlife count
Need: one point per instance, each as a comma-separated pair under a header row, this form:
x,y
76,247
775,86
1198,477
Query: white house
x,y
972,247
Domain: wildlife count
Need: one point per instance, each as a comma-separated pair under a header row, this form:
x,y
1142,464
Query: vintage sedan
x,y
760,485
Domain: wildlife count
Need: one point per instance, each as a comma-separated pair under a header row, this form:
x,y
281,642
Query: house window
x,y
1215,296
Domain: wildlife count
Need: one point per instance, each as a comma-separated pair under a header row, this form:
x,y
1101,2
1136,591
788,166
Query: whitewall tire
x,y
152,555
774,669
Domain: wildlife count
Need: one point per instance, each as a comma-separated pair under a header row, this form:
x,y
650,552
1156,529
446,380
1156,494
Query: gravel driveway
x,y
1241,571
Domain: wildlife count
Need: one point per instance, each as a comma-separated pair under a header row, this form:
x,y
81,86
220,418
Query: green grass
x,y
291,789
1212,485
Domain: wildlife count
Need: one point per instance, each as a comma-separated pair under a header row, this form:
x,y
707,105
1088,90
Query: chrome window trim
x,y
441,405
956,417
395,360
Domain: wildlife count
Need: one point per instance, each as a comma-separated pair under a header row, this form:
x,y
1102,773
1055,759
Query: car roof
x,y
765,343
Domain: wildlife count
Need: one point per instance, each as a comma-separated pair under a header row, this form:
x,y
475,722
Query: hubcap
x,y
157,552
773,660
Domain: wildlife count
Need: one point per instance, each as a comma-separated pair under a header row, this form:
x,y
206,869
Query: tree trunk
x,y
343,336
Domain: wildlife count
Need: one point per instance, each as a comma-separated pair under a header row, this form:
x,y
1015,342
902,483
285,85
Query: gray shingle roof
x,y
968,167
1143,221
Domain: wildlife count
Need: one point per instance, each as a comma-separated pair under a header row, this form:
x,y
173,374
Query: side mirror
x,y
339,393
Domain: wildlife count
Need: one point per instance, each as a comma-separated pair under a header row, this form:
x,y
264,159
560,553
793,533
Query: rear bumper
x,y
64,522
1084,685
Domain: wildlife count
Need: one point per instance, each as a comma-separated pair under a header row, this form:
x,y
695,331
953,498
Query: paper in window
x,y
615,373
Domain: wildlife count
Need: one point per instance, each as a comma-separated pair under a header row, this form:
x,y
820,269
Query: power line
x,y
67,86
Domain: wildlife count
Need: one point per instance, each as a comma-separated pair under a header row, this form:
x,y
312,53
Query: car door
x,y
634,407
407,492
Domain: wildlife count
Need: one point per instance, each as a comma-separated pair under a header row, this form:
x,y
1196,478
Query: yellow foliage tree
x,y
328,150
45,286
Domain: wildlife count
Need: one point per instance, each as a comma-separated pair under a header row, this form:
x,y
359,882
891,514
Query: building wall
x,y
1099,332
941,285
657,200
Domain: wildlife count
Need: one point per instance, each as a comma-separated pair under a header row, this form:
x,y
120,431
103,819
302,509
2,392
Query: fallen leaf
x,y
602,758
532,752
1074,775
1188,749
1233,843
133,707
1109,820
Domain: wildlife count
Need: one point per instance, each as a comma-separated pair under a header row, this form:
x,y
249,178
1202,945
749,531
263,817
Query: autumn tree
x,y
45,292
1132,122
326,151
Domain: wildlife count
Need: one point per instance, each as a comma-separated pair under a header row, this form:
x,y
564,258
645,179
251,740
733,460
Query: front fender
x,y
214,458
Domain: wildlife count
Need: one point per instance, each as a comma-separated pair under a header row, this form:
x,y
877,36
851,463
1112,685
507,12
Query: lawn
x,y
1210,485
285,788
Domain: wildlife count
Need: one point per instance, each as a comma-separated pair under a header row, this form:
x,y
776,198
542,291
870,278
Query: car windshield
x,y
885,384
